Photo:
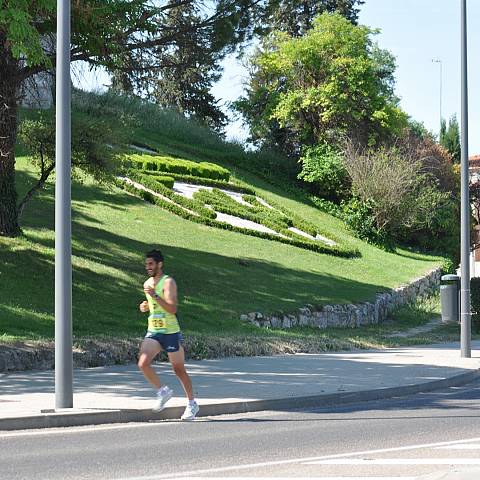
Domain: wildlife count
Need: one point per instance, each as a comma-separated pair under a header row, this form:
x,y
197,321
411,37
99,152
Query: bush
x,y
323,168
359,217
448,267
326,206
475,299
305,226
407,202
387,180
438,226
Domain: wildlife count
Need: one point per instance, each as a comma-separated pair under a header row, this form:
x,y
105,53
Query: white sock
x,y
192,402
163,389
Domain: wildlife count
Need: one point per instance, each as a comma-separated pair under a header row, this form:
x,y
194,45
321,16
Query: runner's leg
x,y
177,359
148,351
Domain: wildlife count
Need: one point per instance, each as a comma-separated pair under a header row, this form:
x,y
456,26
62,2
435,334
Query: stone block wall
x,y
350,315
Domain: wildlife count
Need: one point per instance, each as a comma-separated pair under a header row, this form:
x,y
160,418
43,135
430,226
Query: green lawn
x,y
220,274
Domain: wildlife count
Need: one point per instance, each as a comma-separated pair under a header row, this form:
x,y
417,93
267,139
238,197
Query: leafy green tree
x,y
192,66
104,33
450,138
333,82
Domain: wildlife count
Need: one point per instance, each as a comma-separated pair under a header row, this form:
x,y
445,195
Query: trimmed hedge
x,y
191,204
173,165
308,227
296,222
208,182
337,250
221,202
165,181
278,219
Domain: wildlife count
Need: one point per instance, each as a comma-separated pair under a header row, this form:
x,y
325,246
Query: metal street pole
x,y
436,60
63,229
465,335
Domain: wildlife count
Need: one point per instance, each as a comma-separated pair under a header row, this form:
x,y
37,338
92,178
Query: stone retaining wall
x,y
350,315
90,353
100,352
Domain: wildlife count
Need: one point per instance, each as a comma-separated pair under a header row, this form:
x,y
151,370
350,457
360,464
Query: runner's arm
x,y
169,301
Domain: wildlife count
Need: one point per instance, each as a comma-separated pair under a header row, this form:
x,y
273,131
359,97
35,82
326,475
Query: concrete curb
x,y
68,418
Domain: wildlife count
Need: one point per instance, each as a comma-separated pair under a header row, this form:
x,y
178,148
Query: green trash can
x,y
449,293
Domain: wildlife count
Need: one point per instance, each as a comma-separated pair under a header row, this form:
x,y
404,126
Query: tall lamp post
x,y
437,60
465,318
63,229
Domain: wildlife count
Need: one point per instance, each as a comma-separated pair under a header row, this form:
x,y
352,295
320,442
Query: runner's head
x,y
153,262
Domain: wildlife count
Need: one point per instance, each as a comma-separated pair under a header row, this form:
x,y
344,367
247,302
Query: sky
x,y
416,32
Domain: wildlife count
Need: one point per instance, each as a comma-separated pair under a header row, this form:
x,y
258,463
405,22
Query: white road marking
x,y
297,478
299,460
471,446
398,461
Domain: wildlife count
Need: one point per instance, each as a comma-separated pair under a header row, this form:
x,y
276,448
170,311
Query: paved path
x,y
119,393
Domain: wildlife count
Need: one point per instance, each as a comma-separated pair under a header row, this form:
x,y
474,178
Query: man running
x,y
163,333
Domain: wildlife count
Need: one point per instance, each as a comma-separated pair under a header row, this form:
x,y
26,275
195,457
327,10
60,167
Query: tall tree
x,y
194,66
450,138
103,33
295,17
331,83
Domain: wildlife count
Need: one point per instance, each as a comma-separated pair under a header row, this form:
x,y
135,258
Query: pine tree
x,y
193,66
450,138
295,17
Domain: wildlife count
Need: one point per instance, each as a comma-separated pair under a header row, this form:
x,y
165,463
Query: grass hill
x,y
221,274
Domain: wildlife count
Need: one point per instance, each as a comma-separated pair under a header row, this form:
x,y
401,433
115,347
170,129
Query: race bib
x,y
157,321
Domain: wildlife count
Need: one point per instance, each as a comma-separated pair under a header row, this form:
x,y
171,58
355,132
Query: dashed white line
x,y
397,461
471,446
297,478
299,460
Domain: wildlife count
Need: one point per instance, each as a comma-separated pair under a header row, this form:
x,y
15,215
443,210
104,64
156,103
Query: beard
x,y
152,273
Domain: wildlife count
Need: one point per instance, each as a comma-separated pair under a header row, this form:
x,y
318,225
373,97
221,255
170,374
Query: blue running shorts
x,y
170,342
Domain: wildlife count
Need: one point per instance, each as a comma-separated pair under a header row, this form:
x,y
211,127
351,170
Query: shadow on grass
x,y
214,289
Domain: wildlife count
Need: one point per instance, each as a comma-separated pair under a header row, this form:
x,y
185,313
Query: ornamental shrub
x,y
323,169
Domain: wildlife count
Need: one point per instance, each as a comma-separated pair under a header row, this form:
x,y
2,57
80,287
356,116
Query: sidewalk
x,y
236,385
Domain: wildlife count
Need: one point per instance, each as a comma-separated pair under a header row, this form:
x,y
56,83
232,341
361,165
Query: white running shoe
x,y
163,396
190,412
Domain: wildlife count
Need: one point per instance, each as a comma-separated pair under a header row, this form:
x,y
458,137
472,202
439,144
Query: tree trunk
x,y
9,83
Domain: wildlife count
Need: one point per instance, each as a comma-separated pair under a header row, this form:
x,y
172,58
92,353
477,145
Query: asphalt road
x,y
398,438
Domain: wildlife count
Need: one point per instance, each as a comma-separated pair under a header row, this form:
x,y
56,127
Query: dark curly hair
x,y
155,254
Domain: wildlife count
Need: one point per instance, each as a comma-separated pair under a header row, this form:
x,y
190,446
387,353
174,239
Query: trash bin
x,y
449,292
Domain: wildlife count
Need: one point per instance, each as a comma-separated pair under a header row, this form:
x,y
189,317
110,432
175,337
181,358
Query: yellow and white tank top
x,y
159,320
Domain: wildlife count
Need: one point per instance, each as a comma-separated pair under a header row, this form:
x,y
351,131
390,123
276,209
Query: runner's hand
x,y
144,306
149,290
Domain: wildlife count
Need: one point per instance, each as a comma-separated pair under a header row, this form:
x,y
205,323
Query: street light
x,y
465,318
437,60
63,227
